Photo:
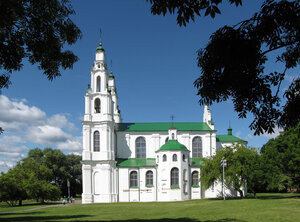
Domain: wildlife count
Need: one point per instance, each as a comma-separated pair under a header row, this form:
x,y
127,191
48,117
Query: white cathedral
x,y
126,162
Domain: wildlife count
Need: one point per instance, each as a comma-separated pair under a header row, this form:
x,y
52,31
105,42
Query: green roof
x,y
181,126
100,48
136,162
173,145
228,138
195,162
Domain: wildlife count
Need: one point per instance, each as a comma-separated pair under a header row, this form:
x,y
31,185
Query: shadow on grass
x,y
258,197
276,197
81,218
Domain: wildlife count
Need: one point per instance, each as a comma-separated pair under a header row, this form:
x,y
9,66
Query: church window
x,y
164,158
197,147
97,105
195,178
167,139
183,158
140,147
96,141
174,177
98,84
133,179
174,158
173,136
149,178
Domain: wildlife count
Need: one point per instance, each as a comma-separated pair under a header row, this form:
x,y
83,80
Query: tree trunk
x,y
20,202
254,195
241,193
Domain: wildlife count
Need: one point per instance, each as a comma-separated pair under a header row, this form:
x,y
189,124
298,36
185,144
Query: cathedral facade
x,y
132,162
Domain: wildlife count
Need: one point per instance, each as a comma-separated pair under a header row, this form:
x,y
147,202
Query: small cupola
x,y
100,52
172,133
229,130
173,145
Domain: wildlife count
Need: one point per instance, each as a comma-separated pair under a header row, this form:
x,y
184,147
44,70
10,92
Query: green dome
x,y
173,145
100,48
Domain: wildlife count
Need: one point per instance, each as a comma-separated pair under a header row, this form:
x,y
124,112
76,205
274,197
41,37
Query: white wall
x,y
154,140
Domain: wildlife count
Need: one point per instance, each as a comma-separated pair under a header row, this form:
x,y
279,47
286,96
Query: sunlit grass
x,y
268,207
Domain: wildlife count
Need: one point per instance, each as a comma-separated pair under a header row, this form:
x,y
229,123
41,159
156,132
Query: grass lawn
x,y
268,207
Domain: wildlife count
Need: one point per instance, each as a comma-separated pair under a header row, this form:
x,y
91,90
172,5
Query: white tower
x,y
101,113
207,117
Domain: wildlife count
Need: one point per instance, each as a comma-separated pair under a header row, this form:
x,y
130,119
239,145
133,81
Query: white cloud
x,y
14,111
249,137
28,126
73,144
61,121
47,135
273,135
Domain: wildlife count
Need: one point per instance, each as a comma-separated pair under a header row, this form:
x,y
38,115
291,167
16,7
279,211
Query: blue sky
x,y
154,63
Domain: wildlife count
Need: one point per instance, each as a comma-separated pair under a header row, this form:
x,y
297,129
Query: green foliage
x,y
233,64
28,179
41,176
37,30
281,159
242,167
233,61
11,189
187,9
63,167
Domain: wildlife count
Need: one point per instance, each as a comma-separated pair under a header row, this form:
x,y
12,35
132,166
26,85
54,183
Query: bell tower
x,y
101,114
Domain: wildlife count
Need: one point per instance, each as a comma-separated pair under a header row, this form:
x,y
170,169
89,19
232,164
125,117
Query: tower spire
x,y
100,48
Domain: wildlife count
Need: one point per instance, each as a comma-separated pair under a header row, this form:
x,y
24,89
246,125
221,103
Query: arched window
x,y
174,177
164,158
133,179
173,136
98,84
140,147
197,147
96,141
97,105
167,139
174,157
183,157
149,178
195,178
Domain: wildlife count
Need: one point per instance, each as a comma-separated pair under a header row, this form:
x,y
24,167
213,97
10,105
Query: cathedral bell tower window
x,y
97,105
96,141
98,84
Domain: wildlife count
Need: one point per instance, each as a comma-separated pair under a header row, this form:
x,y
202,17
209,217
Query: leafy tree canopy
x,y
281,159
233,62
187,9
37,30
28,179
63,167
242,167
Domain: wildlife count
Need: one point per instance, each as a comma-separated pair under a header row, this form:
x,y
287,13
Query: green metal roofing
x,y
195,162
136,162
172,145
228,138
181,126
100,48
